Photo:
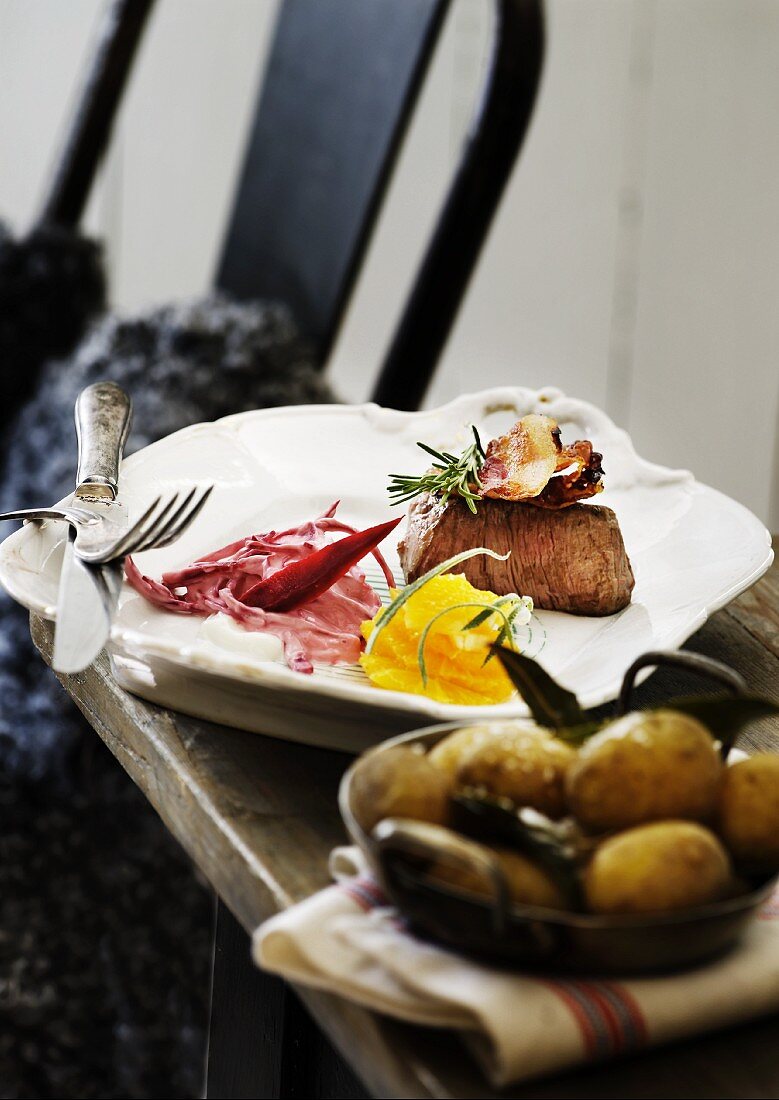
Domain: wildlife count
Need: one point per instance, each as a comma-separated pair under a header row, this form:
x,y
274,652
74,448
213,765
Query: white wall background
x,y
635,258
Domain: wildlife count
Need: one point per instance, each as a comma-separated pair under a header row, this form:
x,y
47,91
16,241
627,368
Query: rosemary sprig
x,y
450,475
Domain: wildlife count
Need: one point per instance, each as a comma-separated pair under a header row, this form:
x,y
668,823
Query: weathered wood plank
x,y
758,609
258,816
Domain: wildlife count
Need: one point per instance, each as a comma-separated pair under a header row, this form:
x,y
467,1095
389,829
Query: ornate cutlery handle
x,y
103,414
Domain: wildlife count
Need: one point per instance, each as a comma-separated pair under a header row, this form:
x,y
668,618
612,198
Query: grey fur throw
x,y
105,949
181,364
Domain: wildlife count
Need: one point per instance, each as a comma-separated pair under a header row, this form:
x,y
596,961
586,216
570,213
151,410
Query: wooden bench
x,y
258,817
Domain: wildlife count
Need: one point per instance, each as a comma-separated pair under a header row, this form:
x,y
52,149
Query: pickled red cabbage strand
x,y
325,629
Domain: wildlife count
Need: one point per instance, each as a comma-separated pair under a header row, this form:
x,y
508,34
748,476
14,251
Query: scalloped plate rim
x,y
139,645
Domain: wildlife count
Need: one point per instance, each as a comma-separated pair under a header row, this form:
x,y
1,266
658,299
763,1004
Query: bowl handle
x,y
692,662
421,840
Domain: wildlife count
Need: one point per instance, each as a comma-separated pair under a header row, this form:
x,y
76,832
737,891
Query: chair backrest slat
x,y
341,82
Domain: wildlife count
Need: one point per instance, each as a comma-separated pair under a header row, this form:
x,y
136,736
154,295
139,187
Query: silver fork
x,y
166,518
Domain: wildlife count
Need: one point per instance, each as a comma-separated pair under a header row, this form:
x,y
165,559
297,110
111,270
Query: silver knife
x,y
88,594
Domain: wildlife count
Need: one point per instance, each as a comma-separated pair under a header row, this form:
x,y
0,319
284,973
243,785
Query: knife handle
x,y
103,414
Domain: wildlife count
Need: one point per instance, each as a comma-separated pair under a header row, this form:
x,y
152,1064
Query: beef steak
x,y
570,559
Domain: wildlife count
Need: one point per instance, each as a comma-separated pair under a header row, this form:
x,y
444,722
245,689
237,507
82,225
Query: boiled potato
x,y
523,762
657,867
748,811
399,782
645,766
448,753
528,884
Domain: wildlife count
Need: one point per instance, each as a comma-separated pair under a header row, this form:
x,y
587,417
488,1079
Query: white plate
x,y
692,550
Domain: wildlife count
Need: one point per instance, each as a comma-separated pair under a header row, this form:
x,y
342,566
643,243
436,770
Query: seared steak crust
x,y
572,559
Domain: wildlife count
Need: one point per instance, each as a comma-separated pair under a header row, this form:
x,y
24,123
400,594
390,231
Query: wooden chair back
x,y
341,83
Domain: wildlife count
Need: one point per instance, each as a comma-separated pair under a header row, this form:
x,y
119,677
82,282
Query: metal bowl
x,y
525,936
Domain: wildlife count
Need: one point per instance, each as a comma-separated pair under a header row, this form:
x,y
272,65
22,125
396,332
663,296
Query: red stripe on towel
x,y
581,1016
352,892
365,892
637,1031
609,1017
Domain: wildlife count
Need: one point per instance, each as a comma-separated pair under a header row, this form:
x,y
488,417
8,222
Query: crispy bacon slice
x,y
518,465
530,464
579,475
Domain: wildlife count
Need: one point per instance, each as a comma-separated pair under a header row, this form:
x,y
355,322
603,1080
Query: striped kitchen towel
x,y
347,939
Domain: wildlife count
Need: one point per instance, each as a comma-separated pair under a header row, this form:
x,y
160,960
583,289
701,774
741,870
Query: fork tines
x,y
163,521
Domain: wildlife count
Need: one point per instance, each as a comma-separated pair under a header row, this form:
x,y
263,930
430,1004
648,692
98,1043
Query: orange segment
x,y
454,658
